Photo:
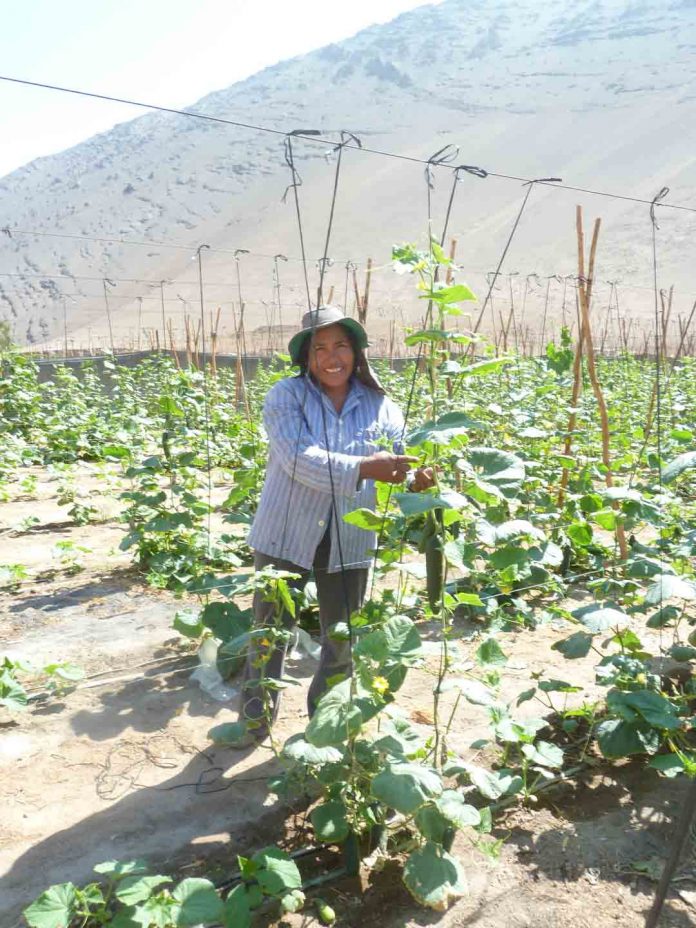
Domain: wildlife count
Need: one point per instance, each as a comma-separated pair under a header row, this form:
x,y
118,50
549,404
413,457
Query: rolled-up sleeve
x,y
301,454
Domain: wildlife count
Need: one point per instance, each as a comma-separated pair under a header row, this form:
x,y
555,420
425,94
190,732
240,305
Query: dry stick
x,y
366,294
452,253
605,330
585,292
666,317
187,328
175,353
650,417
214,326
358,305
196,339
331,293
684,820
543,318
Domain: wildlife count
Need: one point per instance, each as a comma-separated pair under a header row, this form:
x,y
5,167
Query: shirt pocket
x,y
366,440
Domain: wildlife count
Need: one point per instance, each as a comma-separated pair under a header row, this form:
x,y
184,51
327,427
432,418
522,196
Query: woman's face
x,y
331,357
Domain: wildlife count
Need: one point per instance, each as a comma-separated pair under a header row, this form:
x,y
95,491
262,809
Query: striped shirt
x,y
296,501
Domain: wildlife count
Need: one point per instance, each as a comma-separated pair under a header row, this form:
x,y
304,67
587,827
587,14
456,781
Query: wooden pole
x,y
585,295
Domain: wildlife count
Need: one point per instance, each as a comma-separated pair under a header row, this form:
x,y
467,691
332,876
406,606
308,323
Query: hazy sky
x,y
169,52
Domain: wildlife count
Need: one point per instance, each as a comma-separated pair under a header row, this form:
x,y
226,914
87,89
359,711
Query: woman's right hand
x,y
386,467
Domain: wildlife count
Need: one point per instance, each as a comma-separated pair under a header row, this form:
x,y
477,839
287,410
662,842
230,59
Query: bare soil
x,y
122,766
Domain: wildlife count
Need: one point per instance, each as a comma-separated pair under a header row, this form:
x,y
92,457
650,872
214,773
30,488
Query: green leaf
x,y
365,518
544,753
434,877
437,336
398,738
580,533
117,869
329,821
227,733
397,640
457,293
493,783
620,493
682,653
654,708
558,686
606,519
405,786
669,586
618,738
432,824
600,618
226,620
473,691
490,654
577,645
456,809
338,716
441,431
485,367
198,903
12,693
300,750
55,907
415,504
188,623
663,617
676,467
292,901
670,765
518,528
134,889
500,468
237,911
277,873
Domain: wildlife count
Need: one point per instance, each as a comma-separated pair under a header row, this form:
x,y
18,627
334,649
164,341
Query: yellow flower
x,y
380,685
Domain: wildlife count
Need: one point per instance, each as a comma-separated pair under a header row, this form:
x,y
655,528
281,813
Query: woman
x,y
325,430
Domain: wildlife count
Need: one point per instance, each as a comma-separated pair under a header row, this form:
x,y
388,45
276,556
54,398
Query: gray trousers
x,y
333,589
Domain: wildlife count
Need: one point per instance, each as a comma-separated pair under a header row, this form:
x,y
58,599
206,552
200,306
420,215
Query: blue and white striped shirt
x,y
296,505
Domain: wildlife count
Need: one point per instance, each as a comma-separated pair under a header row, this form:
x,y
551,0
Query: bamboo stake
x,y
331,293
585,294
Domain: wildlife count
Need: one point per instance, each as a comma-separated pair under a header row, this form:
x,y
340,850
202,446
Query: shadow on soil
x,y
609,828
146,704
119,580
214,806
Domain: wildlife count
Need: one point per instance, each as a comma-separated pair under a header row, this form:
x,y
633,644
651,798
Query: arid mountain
x,y
599,92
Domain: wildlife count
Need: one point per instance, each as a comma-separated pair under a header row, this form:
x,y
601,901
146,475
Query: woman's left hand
x,y
423,479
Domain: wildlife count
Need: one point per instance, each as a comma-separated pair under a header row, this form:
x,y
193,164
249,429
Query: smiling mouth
x,y
333,370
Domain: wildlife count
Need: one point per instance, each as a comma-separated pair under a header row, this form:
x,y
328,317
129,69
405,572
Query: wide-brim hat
x,y
320,318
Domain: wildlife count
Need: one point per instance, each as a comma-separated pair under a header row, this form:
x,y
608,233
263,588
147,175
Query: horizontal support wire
x,y
315,137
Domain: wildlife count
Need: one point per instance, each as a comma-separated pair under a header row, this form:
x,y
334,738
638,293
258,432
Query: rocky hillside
x,y
599,92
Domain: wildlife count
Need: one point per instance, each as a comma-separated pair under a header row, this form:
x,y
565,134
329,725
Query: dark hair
x,y
361,369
